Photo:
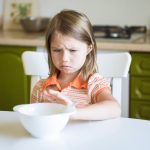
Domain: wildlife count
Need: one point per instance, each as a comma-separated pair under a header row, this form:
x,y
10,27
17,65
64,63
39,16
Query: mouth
x,y
66,67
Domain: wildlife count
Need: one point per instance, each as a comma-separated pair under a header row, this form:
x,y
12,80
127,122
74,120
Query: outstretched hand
x,y
56,97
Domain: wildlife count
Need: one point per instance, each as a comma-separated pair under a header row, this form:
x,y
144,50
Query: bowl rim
x,y
71,110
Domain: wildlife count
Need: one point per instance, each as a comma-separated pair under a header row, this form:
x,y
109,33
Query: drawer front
x,y
140,64
140,88
140,110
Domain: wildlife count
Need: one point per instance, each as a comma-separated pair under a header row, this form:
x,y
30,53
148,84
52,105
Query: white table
x,y
115,134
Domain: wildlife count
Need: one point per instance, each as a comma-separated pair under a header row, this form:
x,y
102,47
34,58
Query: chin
x,y
69,72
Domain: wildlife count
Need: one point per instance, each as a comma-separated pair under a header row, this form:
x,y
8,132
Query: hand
x,y
56,97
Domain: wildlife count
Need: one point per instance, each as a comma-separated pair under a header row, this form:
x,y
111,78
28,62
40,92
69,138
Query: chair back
x,y
35,64
112,65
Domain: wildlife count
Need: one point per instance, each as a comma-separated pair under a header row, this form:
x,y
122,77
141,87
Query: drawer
x,y
140,64
140,88
140,110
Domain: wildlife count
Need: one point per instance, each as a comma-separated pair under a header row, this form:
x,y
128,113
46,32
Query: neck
x,y
67,77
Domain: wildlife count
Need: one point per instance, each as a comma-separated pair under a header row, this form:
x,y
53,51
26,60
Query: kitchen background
x,y
115,12
136,95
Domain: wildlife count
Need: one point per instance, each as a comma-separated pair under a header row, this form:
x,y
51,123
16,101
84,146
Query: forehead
x,y
57,36
59,39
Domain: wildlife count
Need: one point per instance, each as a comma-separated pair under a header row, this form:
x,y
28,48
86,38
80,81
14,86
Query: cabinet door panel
x,y
140,64
140,88
14,84
140,110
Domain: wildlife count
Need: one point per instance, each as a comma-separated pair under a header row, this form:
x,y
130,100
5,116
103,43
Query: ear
x,y
90,47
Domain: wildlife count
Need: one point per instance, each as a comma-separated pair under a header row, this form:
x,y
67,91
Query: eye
x,y
56,50
73,50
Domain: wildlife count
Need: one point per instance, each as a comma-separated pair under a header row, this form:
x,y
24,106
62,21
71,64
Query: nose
x,y
65,56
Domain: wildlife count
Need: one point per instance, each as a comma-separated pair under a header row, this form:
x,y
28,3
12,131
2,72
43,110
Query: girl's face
x,y
68,54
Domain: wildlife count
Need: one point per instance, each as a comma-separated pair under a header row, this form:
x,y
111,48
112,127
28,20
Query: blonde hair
x,y
78,26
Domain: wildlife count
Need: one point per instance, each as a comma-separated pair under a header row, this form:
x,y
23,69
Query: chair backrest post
x,y
117,88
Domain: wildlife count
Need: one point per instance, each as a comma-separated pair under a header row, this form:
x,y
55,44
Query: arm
x,y
36,95
106,107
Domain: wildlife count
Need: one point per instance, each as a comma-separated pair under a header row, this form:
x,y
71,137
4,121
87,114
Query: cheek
x,y
79,59
55,58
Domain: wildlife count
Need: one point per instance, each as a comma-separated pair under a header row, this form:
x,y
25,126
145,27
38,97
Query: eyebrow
x,y
66,48
55,47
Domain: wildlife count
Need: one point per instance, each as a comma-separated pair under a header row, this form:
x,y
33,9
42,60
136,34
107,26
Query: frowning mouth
x,y
65,67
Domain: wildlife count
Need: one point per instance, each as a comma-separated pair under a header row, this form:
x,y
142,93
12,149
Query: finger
x,y
47,97
50,96
53,92
65,99
60,97
45,93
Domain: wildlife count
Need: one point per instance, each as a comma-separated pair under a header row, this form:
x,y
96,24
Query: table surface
x,y
114,134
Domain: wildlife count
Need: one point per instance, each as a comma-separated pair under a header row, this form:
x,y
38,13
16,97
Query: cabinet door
x,y
140,86
14,84
140,64
140,97
140,110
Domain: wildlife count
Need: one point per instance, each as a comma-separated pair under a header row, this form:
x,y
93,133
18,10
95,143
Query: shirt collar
x,y
78,82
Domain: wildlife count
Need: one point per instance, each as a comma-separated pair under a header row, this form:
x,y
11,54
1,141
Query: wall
x,y
114,12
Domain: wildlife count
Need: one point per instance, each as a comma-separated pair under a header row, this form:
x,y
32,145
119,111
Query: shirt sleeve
x,y
36,95
96,85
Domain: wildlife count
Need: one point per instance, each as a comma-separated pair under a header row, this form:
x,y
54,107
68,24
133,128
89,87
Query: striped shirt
x,y
78,91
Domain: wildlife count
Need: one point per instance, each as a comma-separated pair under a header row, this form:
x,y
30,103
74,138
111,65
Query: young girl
x,y
73,79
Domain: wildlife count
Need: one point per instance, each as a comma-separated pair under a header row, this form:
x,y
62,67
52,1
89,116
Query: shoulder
x,y
95,77
96,85
97,81
36,90
39,85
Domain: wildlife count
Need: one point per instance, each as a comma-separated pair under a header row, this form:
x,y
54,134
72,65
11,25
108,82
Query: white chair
x,y
114,65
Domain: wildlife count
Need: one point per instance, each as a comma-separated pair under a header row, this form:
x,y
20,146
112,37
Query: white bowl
x,y
44,120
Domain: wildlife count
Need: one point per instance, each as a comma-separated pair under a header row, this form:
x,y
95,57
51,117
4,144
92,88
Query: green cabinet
x,y
14,84
140,86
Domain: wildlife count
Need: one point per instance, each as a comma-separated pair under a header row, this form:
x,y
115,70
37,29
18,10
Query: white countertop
x,y
115,134
140,42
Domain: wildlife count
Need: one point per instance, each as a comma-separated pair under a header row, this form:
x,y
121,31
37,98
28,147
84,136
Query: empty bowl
x,y
44,120
34,24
